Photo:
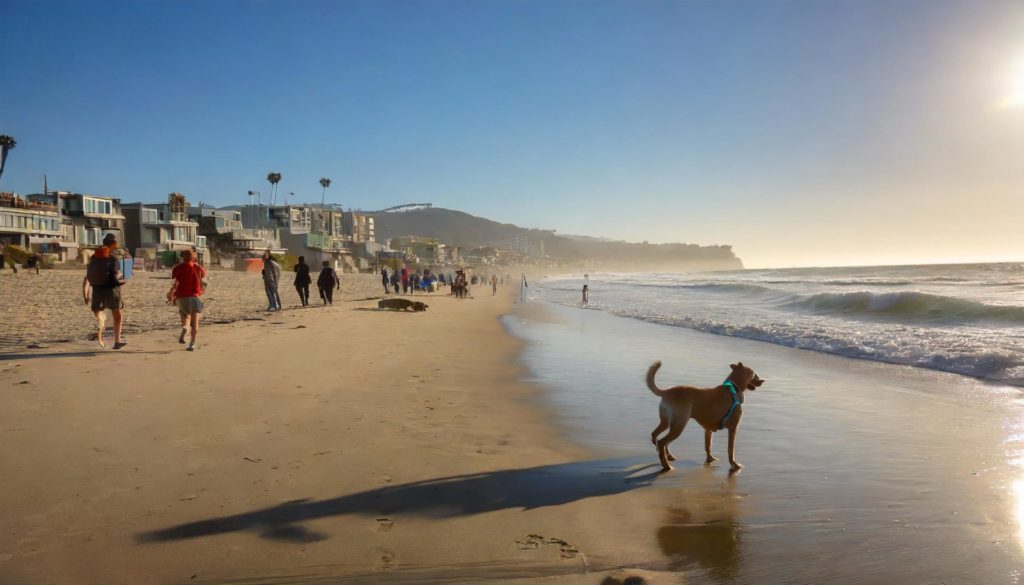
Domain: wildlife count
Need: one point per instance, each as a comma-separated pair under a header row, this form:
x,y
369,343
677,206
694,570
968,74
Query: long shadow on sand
x,y
460,495
69,354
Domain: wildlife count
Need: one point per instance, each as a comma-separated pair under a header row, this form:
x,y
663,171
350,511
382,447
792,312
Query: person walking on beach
x,y
101,289
327,282
302,280
186,288
394,281
405,280
384,279
271,277
494,285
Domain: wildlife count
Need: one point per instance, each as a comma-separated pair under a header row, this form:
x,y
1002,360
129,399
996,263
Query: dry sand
x,y
48,307
339,444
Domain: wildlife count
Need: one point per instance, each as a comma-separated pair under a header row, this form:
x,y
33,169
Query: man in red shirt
x,y
186,288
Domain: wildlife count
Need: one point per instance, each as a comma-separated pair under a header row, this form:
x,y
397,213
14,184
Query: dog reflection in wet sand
x,y
715,408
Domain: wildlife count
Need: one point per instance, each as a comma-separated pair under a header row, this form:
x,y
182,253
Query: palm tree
x,y
325,183
274,179
7,143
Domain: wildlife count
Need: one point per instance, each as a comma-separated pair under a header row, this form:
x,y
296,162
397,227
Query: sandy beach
x,y
308,444
47,307
351,445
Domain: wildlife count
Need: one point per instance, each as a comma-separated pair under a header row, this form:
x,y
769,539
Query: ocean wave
x,y
1003,364
907,306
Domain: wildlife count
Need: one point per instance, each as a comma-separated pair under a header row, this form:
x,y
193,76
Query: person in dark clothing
x,y
302,280
327,282
384,279
395,281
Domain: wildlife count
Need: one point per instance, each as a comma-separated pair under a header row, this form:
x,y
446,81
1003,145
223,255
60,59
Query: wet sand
x,y
856,472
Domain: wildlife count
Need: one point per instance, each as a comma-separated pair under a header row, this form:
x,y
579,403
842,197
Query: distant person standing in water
x,y
586,295
186,288
271,277
302,280
327,282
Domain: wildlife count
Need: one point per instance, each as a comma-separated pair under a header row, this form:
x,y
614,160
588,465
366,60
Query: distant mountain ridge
x,y
468,232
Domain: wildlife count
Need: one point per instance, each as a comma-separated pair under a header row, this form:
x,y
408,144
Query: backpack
x,y
327,278
102,272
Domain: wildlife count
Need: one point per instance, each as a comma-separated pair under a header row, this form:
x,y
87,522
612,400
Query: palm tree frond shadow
x,y
446,497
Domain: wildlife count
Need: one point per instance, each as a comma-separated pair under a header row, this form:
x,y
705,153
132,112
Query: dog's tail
x,y
651,371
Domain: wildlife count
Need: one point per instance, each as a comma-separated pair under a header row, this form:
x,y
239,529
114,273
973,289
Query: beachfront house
x,y
422,249
314,231
230,243
31,225
158,232
85,220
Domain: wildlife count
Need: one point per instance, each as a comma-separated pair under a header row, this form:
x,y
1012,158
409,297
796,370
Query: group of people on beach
x,y
101,287
326,282
409,281
101,290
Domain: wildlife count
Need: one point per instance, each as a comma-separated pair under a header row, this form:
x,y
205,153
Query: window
x,y
97,206
150,216
200,241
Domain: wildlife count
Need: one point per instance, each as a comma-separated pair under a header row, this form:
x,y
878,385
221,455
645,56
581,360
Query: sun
x,y
1014,97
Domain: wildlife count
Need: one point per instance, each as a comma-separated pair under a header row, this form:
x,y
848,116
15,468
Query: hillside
x,y
468,232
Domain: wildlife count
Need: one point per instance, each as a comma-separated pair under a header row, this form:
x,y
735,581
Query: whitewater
x,y
966,319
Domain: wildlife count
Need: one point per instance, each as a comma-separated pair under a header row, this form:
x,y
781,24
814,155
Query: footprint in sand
x,y
384,525
387,559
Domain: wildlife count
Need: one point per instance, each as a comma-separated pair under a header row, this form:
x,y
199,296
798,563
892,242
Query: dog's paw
x,y
666,468
670,457
711,459
735,467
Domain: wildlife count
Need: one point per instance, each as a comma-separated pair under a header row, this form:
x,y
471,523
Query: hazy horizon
x,y
801,134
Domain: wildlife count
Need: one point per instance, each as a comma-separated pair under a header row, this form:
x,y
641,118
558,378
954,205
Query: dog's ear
x,y
740,364
733,366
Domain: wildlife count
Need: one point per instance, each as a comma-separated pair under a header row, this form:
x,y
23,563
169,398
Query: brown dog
x,y
714,408
401,305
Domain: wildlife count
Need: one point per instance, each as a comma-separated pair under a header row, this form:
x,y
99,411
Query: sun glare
x,y
1014,97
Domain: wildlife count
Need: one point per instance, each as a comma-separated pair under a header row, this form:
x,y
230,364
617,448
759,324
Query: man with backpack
x,y
101,289
327,282
186,287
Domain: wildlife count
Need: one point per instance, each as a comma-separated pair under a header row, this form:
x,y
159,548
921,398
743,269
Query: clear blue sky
x,y
801,132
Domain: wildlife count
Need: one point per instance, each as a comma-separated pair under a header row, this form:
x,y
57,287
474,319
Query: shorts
x,y
106,297
189,305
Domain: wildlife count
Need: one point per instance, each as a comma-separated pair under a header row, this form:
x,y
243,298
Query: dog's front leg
x,y
707,447
735,466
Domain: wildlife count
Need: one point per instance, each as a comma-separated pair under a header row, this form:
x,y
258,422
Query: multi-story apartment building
x,y
85,220
429,250
315,232
30,224
360,227
159,231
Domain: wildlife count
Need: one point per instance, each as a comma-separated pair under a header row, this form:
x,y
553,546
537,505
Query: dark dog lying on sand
x,y
714,408
401,305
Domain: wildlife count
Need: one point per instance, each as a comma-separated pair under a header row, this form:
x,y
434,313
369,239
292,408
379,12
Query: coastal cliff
x,y
469,232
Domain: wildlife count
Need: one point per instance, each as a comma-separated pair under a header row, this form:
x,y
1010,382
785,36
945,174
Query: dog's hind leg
x,y
673,434
662,425
707,447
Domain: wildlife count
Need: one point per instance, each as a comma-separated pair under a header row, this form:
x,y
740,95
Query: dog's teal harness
x,y
735,402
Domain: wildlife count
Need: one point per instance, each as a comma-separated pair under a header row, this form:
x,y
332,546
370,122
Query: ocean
x,y
966,319
886,445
